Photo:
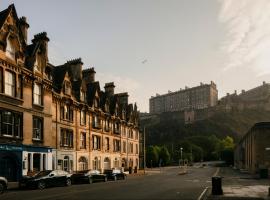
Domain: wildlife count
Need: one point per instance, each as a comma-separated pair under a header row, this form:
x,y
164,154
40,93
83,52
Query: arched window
x,y
107,163
10,49
83,163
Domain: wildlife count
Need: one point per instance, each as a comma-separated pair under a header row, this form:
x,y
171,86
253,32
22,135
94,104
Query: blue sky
x,y
152,46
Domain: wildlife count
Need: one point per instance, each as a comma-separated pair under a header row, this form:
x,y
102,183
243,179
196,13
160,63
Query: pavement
x,y
240,185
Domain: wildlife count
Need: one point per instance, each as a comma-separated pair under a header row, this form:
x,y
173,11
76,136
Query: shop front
x,y
11,161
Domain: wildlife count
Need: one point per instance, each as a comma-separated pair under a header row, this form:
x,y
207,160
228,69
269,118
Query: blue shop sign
x,y
5,147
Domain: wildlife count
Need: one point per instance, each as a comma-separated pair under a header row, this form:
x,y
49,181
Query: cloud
x,y
247,26
55,55
122,84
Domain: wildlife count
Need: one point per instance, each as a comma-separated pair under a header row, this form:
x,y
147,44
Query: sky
x,y
152,46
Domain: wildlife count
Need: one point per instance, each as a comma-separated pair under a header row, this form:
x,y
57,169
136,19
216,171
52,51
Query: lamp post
x,y
144,159
181,152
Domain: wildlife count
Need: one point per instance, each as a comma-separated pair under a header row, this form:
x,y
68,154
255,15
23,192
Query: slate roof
x,y
4,14
92,88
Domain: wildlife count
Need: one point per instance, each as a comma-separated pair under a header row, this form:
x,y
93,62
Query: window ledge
x,y
37,106
11,99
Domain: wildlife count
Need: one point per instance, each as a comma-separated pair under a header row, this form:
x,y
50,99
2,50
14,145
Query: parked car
x,y
3,184
115,174
47,178
88,176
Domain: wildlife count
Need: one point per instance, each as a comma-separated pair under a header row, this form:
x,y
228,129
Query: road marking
x,y
202,194
217,171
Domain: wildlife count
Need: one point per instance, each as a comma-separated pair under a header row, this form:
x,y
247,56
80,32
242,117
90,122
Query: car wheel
x,y
115,178
68,182
41,185
90,180
105,179
2,188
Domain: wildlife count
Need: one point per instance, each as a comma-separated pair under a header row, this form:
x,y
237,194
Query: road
x,y
166,184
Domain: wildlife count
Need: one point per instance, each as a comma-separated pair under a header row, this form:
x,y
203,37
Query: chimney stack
x,y
109,88
89,75
24,27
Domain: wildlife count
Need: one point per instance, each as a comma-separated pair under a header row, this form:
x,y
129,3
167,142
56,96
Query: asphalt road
x,y
166,184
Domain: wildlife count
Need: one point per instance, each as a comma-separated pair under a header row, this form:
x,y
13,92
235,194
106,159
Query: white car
x,y
3,184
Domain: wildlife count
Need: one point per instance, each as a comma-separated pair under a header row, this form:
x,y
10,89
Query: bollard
x,y
217,185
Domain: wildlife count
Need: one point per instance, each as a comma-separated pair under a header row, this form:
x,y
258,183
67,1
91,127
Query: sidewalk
x,y
237,185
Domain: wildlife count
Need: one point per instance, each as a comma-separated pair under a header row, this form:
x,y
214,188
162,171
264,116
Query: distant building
x,y
253,151
255,98
200,97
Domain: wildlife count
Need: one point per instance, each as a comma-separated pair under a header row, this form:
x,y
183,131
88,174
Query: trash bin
x,y
263,173
217,185
135,169
130,170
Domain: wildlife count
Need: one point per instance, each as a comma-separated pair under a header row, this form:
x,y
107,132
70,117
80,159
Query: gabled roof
x,y
3,16
32,49
59,73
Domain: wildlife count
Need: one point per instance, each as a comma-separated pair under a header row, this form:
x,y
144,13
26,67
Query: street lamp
x,y
181,149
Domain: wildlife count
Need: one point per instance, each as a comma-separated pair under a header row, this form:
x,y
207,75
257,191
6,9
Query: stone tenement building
x,y
200,97
253,151
256,98
57,117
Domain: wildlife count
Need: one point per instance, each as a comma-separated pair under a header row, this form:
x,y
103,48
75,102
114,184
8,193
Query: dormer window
x,y
10,49
106,107
96,102
67,88
82,96
37,66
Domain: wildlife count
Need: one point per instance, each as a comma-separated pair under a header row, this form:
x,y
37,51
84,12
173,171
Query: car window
x,y
61,173
42,173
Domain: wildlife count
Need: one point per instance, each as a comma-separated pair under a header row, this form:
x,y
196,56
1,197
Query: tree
x,y
164,155
152,156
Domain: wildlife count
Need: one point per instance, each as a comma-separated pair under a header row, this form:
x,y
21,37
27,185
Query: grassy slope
x,y
167,128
